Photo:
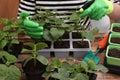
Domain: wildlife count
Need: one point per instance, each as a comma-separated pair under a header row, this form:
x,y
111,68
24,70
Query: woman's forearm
x,y
115,15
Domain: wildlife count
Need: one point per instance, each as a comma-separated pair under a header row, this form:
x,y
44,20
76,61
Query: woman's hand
x,y
98,9
33,29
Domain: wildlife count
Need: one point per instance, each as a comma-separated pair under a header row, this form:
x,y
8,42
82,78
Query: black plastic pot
x,y
91,77
112,68
34,72
16,49
52,79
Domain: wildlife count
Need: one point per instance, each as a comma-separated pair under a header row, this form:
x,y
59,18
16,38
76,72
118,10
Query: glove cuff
x,y
110,6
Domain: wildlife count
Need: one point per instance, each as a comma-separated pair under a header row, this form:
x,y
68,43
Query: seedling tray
x,y
66,52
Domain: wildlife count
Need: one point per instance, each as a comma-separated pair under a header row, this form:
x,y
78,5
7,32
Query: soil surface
x,y
61,44
114,53
116,29
80,44
76,35
65,36
115,40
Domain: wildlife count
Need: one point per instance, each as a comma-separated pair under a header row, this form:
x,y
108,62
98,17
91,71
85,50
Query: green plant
x,y
71,69
30,47
8,71
34,65
55,28
81,28
8,35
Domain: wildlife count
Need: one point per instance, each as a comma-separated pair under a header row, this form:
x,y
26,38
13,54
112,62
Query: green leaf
x,y
27,60
19,21
47,21
41,45
69,67
54,33
46,74
57,76
7,28
2,52
9,73
12,34
14,41
29,44
62,74
27,51
47,35
56,63
28,47
89,35
102,68
42,59
2,35
84,66
81,76
10,59
95,30
3,69
14,73
65,25
70,28
6,21
91,64
61,32
20,30
74,17
3,43
50,68
66,65
3,78
58,21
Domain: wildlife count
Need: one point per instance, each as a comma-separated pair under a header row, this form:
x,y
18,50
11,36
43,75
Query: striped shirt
x,y
62,7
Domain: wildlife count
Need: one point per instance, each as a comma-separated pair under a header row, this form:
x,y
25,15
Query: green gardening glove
x,y
97,9
33,29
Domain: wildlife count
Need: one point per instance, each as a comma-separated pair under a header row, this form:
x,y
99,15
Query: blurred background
x,y
8,9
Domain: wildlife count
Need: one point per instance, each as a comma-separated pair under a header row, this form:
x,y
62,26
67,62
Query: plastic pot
x,y
33,72
114,39
115,28
110,59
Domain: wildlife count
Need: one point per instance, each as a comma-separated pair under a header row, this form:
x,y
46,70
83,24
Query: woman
x,y
97,10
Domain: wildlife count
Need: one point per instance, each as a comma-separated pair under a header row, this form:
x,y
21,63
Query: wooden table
x,y
94,44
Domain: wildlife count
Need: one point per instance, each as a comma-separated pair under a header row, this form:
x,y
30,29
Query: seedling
x,y
8,36
71,69
33,48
